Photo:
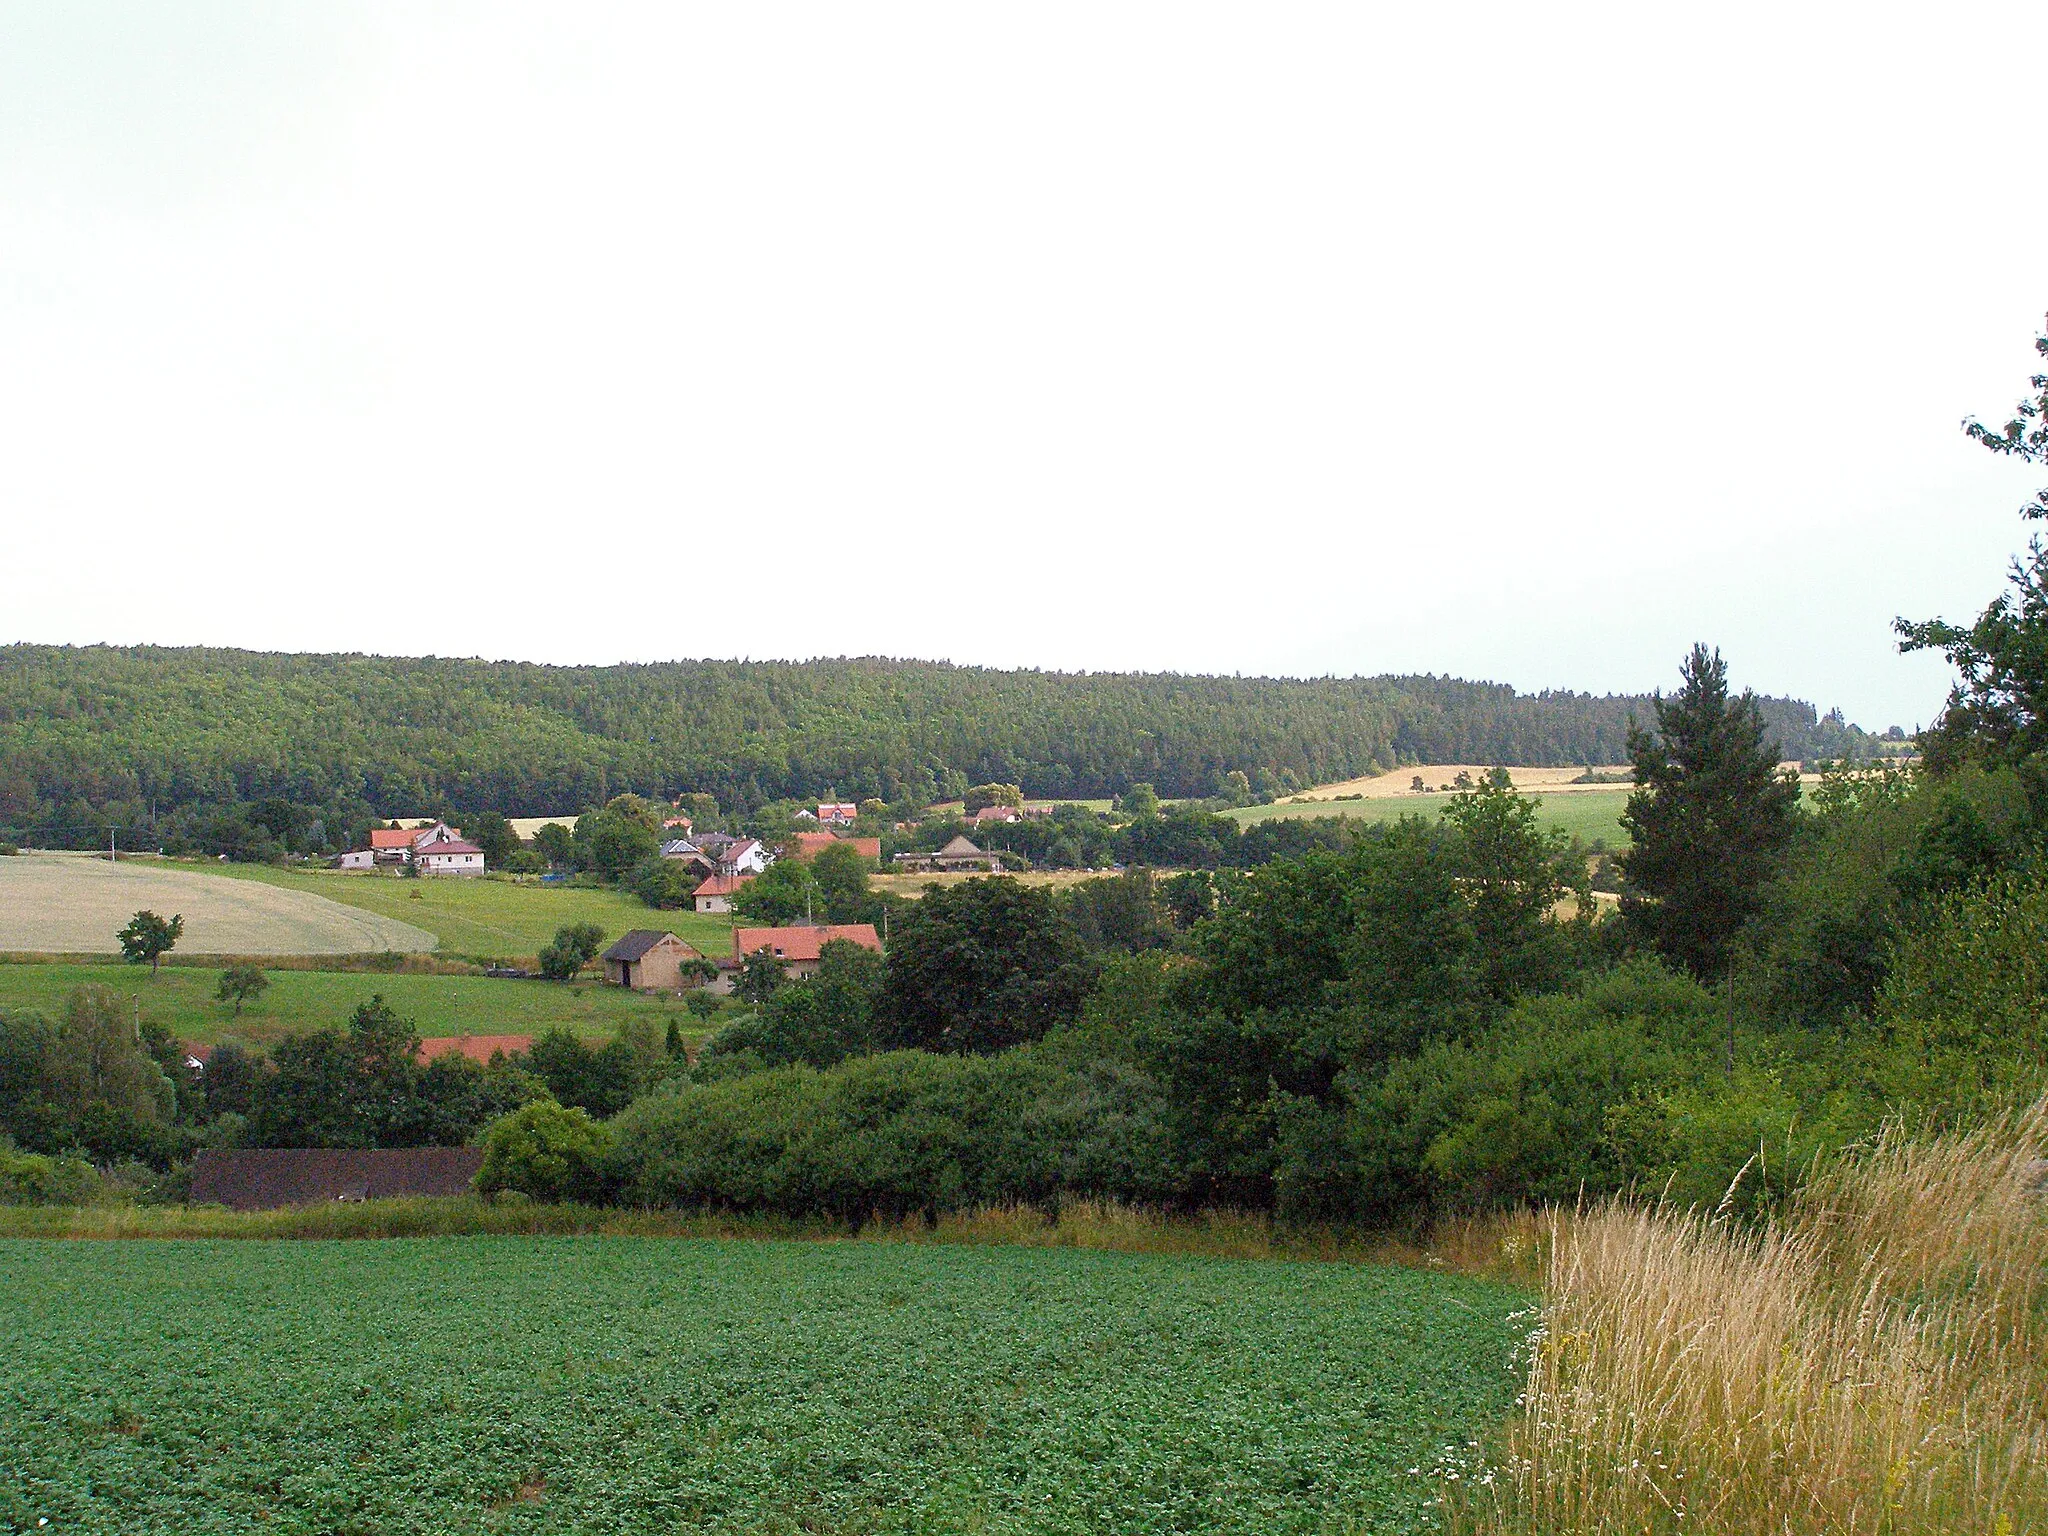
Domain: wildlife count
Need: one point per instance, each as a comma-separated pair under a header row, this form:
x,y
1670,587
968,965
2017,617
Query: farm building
x,y
841,814
357,858
450,856
648,960
798,948
478,1048
716,893
959,854
251,1179
989,814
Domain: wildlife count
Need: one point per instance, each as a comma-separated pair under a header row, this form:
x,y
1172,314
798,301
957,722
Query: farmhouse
x,y
716,893
959,854
798,948
449,856
734,855
841,814
996,813
648,960
262,1180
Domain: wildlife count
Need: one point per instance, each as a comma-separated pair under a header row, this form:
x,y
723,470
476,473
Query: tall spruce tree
x,y
1710,816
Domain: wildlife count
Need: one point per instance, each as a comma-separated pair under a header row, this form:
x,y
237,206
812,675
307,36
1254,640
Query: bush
x,y
27,1178
573,948
907,1132
8,851
545,1152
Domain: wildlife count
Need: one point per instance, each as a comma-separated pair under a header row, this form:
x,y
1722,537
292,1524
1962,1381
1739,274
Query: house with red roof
x,y
798,948
808,845
716,893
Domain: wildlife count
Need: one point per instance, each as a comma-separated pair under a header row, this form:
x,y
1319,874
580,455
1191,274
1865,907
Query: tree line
x,y
244,752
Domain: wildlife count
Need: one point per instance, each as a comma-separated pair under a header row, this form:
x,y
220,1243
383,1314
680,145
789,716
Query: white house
x,y
357,858
451,856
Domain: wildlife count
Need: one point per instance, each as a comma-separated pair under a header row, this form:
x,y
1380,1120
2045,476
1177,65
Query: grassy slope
x,y
647,1385
489,917
181,998
1589,813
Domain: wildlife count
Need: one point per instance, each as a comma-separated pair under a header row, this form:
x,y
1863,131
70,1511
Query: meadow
x,y
493,918
642,1384
181,998
1592,815
74,903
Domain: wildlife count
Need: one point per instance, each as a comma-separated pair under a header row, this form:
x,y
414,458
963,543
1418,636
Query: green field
x,y
181,998
643,1385
1590,814
487,917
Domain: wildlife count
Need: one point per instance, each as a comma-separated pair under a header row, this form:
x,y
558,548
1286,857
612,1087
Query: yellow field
x,y
913,885
1437,777
70,903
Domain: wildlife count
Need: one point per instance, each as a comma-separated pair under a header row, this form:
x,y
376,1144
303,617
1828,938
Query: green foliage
x,y
28,1178
820,1020
840,876
545,1152
148,937
614,840
664,884
573,947
555,843
1139,801
240,983
981,796
1997,712
896,1134
493,834
593,1384
602,1081
785,892
1710,818
1123,912
761,976
984,965
92,736
1966,996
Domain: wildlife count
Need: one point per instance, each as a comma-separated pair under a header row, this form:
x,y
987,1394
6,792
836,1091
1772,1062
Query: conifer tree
x,y
1710,816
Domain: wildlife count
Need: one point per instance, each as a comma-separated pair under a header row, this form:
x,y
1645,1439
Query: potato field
x,y
640,1385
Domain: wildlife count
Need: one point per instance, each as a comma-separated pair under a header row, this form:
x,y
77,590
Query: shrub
x,y
27,1178
545,1152
8,851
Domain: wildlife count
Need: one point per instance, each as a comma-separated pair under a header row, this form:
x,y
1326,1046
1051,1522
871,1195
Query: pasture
x,y
69,903
497,918
1592,814
181,998
642,1385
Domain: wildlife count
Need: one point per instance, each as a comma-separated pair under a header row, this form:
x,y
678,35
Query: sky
x,y
1502,341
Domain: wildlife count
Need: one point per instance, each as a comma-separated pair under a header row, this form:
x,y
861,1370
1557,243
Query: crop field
x,y
487,917
913,885
641,1385
1593,814
181,998
74,903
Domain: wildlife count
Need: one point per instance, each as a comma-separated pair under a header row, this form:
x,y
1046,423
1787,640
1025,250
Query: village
x,y
721,864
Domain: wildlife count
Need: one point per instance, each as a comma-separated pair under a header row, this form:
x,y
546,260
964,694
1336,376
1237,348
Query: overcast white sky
x,y
1529,343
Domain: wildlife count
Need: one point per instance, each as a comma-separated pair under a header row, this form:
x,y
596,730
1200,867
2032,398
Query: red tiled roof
x,y
393,837
456,845
476,1047
802,943
722,885
804,844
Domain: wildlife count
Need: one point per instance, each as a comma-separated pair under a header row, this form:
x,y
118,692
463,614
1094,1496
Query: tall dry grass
x,y
1875,1362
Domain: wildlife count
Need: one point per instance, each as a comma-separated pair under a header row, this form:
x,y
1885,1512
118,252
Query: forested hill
x,y
149,726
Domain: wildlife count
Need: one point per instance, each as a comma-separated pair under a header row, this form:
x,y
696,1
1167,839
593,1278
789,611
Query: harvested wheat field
x,y
68,903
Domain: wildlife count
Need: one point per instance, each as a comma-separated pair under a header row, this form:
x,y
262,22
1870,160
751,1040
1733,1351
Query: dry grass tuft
x,y
1876,1362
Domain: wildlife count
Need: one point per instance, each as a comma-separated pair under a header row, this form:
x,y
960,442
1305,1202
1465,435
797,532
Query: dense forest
x,y
98,736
